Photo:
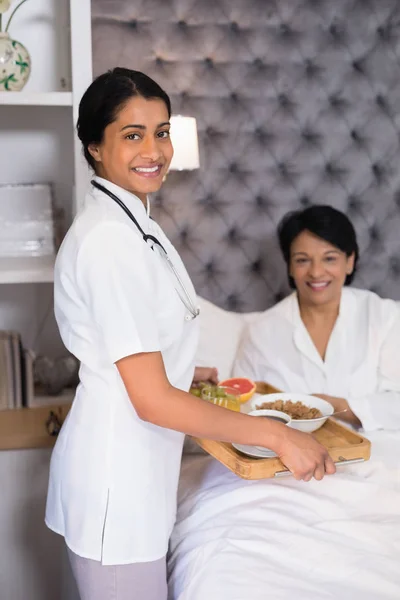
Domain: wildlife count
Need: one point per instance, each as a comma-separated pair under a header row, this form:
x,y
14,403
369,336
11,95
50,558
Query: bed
x,y
283,539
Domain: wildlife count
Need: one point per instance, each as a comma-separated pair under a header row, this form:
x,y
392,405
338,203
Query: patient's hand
x,y
341,404
209,374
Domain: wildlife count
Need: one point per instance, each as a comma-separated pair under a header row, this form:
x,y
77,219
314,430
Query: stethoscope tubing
x,y
146,236
151,238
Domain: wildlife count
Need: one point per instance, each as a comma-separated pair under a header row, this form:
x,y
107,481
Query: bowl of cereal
x,y
307,413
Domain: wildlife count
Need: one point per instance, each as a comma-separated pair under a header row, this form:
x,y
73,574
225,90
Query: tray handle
x,y
341,462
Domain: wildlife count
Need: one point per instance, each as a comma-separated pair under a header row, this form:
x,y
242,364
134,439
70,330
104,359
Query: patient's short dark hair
x,y
327,223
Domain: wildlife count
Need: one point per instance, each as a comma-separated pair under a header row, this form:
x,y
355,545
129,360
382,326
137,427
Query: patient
x,y
339,343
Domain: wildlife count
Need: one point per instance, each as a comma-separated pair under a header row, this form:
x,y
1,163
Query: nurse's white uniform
x,y
362,362
113,477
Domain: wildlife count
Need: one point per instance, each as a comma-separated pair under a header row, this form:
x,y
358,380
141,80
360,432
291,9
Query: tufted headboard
x,y
297,102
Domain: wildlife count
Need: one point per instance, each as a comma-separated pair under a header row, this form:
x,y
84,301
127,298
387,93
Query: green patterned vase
x,y
15,64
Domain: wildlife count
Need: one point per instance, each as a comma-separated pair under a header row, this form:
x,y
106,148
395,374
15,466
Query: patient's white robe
x,y
362,362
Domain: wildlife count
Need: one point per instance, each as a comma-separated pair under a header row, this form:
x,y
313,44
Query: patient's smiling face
x,y
319,269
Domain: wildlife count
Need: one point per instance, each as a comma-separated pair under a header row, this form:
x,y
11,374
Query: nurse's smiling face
x,y
319,269
136,148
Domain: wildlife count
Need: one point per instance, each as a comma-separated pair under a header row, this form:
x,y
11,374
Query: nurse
x,y
126,308
339,343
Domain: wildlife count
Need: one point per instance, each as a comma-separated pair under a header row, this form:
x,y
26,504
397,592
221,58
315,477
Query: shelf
x,y
26,427
27,270
36,98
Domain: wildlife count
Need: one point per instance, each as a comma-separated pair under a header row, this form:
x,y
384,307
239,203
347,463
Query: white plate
x,y
255,451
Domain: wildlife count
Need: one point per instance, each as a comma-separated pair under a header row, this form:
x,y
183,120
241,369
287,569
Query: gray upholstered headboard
x,y
297,102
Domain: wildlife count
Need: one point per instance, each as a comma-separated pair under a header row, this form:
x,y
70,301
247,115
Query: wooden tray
x,y
344,446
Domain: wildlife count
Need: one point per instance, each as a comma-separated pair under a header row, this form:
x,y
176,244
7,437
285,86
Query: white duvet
x,y
283,539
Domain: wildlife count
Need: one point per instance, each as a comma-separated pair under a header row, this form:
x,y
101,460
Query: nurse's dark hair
x,y
325,222
106,96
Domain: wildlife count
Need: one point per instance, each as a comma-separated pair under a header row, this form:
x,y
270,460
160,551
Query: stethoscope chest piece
x,y
192,316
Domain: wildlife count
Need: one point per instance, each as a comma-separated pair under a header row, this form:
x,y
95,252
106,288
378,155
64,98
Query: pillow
x,y
220,333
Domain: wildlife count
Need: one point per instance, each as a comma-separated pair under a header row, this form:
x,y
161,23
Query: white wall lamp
x,y
185,143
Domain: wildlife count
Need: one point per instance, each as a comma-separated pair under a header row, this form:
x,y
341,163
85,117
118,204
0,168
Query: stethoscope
x,y
155,243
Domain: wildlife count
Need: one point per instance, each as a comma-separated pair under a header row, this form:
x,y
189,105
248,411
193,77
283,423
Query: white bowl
x,y
268,412
306,425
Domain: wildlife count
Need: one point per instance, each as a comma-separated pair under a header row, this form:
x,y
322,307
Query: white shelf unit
x,y
27,270
39,145
37,124
36,99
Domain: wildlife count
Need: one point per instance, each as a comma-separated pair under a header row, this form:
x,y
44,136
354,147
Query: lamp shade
x,y
185,143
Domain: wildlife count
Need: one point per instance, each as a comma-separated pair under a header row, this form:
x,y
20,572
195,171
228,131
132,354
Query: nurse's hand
x,y
208,374
304,456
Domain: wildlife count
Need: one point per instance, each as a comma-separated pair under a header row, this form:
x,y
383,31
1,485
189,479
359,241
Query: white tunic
x,y
362,362
113,477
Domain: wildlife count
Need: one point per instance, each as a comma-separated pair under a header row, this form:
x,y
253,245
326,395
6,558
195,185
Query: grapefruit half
x,y
246,387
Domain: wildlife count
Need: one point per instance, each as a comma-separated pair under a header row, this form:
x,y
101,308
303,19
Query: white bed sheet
x,y
283,539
